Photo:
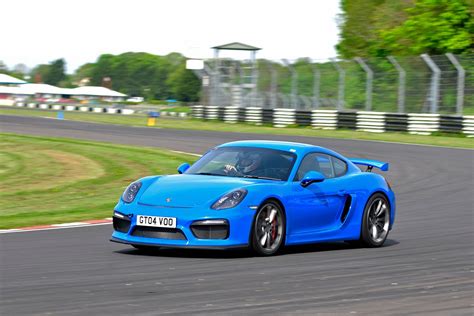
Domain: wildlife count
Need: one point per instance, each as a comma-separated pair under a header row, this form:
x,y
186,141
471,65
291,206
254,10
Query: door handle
x,y
342,192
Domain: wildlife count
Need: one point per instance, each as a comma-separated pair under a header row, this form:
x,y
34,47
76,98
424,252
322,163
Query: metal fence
x,y
416,84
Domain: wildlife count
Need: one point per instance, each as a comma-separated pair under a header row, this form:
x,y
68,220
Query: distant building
x,y
94,92
6,80
12,88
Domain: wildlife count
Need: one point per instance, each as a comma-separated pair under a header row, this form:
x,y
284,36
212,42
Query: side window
x,y
315,162
340,167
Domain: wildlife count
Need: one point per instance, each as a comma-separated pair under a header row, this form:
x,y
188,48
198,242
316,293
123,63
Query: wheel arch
x,y
265,200
384,194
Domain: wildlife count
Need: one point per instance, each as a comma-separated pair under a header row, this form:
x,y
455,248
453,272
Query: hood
x,y
187,190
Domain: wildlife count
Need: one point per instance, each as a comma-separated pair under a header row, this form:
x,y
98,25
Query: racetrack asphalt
x,y
426,267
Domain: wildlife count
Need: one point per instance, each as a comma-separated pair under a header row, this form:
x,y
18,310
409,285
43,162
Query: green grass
x,y
57,180
180,109
468,110
454,140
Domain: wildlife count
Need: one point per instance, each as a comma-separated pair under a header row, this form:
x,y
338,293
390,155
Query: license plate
x,y
156,221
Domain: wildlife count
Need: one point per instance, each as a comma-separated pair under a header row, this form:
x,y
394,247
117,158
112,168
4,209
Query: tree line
x,y
377,28
135,74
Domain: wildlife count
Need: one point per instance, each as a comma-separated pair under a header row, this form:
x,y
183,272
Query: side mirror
x,y
183,167
311,177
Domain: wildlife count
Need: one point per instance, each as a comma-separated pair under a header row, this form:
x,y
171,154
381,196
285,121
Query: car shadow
x,y
243,253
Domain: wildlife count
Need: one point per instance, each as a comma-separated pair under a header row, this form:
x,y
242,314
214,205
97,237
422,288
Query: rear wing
x,y
370,163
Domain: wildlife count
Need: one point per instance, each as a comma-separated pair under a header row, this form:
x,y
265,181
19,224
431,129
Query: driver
x,y
248,163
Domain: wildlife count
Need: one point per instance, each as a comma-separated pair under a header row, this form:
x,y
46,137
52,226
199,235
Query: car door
x,y
318,207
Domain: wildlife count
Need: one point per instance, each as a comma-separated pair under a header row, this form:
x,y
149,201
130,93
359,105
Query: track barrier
x,y
368,121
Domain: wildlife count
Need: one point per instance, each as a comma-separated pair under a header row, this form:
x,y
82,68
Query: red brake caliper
x,y
274,231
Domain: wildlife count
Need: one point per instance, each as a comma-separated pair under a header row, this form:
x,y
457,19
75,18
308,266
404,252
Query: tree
x,y
405,27
52,73
39,73
433,27
56,72
184,85
3,68
143,74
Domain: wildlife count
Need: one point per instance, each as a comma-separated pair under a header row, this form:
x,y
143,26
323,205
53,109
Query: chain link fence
x,y
414,84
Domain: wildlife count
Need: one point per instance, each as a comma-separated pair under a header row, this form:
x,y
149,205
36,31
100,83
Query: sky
x,y
39,31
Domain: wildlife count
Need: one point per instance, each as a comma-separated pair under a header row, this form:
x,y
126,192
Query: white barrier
x,y
370,121
7,102
212,112
324,119
231,114
284,117
198,111
423,124
253,115
127,111
468,125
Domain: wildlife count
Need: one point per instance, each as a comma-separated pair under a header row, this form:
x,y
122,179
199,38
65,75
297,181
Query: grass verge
x,y
56,180
446,140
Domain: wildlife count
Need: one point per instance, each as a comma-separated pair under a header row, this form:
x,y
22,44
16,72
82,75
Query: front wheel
x,y
376,221
268,232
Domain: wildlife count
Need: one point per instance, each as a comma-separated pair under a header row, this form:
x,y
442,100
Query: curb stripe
x,y
88,223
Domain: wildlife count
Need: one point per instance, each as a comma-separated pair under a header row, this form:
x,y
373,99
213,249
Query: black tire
x,y
268,236
145,248
375,221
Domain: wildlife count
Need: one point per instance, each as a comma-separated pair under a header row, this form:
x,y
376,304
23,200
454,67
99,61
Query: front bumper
x,y
239,220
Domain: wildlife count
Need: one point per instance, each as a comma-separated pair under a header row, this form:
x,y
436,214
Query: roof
x,y
95,91
236,46
13,90
300,149
43,88
271,144
6,79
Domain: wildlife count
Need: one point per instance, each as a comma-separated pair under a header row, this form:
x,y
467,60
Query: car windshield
x,y
245,162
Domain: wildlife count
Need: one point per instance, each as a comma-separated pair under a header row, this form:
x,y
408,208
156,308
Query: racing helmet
x,y
248,161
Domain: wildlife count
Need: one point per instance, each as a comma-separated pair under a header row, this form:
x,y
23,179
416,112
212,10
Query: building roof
x,y
42,88
96,91
33,88
236,46
14,90
6,79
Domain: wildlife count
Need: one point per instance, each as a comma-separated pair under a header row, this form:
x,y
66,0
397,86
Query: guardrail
x,y
83,108
377,122
78,108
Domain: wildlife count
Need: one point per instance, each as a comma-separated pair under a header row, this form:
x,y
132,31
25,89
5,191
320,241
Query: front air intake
x,y
160,233
121,224
210,229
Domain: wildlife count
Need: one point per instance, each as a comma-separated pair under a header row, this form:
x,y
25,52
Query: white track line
x,y
11,231
185,153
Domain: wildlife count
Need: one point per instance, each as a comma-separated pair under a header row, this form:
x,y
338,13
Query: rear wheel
x,y
376,221
268,232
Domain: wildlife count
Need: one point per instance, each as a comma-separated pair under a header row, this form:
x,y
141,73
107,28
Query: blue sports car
x,y
258,194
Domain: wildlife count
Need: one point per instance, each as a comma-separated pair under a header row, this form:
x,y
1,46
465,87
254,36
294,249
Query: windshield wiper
x,y
207,174
259,177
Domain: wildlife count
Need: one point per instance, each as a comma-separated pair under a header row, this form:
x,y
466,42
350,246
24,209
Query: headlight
x,y
230,200
129,195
